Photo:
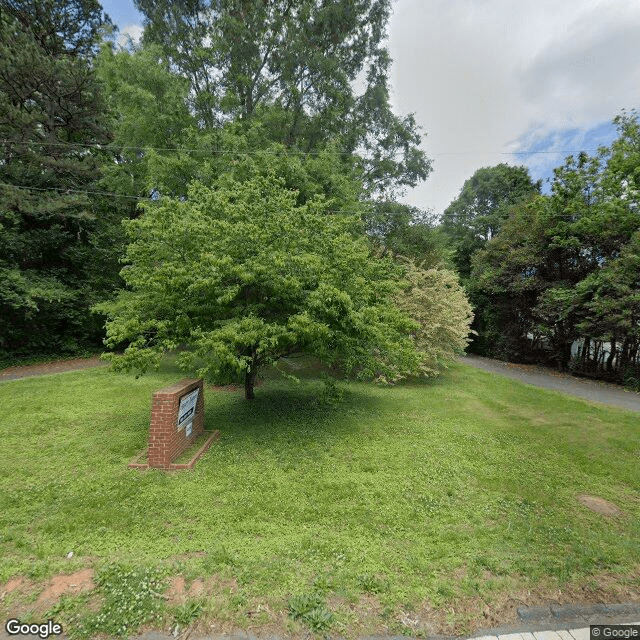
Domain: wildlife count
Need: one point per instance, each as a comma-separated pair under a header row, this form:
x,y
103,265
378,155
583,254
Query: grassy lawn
x,y
410,508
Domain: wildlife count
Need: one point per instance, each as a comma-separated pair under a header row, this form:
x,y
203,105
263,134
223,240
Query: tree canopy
x,y
477,214
242,274
560,279
294,67
51,233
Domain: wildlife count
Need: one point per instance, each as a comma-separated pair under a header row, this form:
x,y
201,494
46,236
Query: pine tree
x,y
50,231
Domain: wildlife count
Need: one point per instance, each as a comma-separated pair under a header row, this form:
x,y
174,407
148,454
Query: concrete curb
x,y
552,617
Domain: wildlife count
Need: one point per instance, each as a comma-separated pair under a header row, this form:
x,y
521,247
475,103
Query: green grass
x,y
452,488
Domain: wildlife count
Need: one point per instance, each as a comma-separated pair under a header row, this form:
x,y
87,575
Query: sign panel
x,y
187,429
187,408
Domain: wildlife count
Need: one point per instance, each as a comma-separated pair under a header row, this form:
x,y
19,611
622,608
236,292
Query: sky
x,y
490,81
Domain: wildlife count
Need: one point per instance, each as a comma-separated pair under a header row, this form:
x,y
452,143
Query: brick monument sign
x,y
177,419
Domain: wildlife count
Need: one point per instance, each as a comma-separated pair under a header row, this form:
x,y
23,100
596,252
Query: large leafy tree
x,y
242,274
150,123
508,278
293,65
52,235
563,267
478,213
470,222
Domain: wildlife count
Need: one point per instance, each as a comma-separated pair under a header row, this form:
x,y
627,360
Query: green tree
x,y
478,213
409,232
52,235
562,267
72,29
242,274
610,305
507,278
293,66
149,121
470,222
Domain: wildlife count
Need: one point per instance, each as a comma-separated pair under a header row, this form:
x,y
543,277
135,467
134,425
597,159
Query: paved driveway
x,y
592,390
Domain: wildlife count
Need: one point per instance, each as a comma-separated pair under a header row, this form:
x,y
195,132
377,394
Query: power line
x,y
100,147
284,152
65,190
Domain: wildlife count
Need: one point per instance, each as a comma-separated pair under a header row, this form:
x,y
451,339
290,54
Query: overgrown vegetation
x,y
259,91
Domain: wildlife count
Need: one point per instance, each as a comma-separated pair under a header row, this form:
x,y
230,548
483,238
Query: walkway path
x,y
59,366
592,390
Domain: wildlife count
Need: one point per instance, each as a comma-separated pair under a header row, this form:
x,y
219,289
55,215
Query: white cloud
x,y
486,76
131,32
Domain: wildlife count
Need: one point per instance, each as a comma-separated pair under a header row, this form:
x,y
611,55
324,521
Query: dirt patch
x,y
15,584
66,585
175,593
178,592
467,615
600,505
51,592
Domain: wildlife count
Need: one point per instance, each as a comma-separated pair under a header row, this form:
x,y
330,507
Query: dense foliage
x,y
437,302
242,275
560,282
293,66
57,253
237,148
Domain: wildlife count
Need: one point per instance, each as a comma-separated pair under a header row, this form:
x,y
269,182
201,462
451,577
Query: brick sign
x,y
177,419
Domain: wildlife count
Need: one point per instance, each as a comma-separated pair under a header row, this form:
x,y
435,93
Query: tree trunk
x,y
612,354
250,380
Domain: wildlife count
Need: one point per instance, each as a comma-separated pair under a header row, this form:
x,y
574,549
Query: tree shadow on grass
x,y
291,414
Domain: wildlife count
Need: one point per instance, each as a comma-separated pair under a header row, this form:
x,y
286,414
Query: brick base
x,y
167,439
215,435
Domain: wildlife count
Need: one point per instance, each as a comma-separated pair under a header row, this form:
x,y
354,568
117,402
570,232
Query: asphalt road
x,y
592,390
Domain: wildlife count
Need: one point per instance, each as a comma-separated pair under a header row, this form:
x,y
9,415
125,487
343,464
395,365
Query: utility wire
x,y
285,152
65,190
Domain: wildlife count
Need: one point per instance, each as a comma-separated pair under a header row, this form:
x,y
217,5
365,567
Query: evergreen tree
x,y
52,235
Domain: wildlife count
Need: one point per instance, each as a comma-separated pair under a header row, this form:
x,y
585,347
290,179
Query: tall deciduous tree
x,y
243,275
564,267
150,122
51,115
477,214
293,64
